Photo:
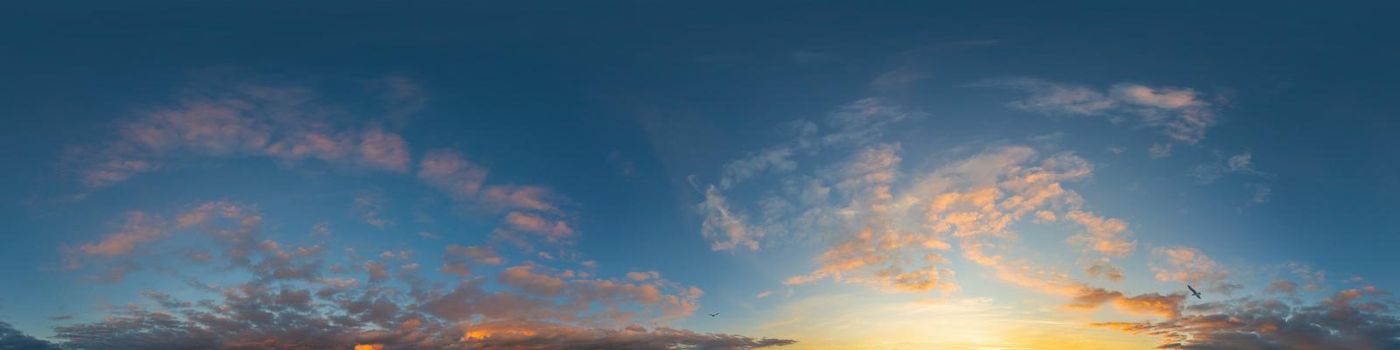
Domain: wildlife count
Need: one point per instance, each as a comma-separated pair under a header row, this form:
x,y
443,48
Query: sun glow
x,y
884,322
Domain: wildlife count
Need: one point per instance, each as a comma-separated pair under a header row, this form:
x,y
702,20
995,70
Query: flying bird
x,y
1194,292
714,314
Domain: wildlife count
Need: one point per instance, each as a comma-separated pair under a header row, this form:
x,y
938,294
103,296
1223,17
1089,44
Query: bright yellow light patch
x,y
886,322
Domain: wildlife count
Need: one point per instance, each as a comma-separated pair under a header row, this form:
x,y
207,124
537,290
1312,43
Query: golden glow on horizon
x,y
886,322
483,333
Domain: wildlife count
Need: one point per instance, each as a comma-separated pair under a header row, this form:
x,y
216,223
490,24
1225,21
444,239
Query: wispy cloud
x,y
239,118
1190,265
892,230
1181,114
1209,172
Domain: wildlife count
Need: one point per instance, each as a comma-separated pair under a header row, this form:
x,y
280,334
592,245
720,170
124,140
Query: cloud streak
x,y
283,122
1182,114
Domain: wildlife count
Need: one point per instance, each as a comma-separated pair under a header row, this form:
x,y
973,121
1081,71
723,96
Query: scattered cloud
x,y
1181,114
1241,163
296,297
892,229
552,230
1159,150
384,150
1190,265
1343,321
1150,304
369,205
449,171
139,228
1282,287
238,118
459,259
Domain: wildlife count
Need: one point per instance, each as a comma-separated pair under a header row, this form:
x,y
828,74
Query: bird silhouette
x,y
1194,292
714,314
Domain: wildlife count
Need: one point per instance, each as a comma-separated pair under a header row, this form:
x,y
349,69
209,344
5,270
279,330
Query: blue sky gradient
x,y
639,164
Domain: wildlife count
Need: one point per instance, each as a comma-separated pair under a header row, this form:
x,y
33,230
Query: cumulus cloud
x,y
520,197
531,210
1102,235
1190,265
295,298
458,259
384,150
119,250
283,295
1181,114
1349,319
1282,287
893,229
552,230
451,172
1152,304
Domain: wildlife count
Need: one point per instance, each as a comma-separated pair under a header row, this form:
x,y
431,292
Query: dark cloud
x,y
1342,321
547,337
13,339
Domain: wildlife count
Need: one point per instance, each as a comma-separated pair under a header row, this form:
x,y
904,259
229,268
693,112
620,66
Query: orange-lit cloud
x,y
1337,322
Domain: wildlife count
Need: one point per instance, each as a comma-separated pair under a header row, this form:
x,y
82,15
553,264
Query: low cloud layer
x,y
300,297
1345,320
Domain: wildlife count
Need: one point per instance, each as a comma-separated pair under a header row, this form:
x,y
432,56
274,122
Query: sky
x,y
721,175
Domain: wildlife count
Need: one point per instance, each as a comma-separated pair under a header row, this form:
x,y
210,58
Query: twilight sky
x,y
824,176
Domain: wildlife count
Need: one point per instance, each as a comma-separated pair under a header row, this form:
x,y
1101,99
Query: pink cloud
x,y
450,172
384,150
552,230
286,123
139,228
519,197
